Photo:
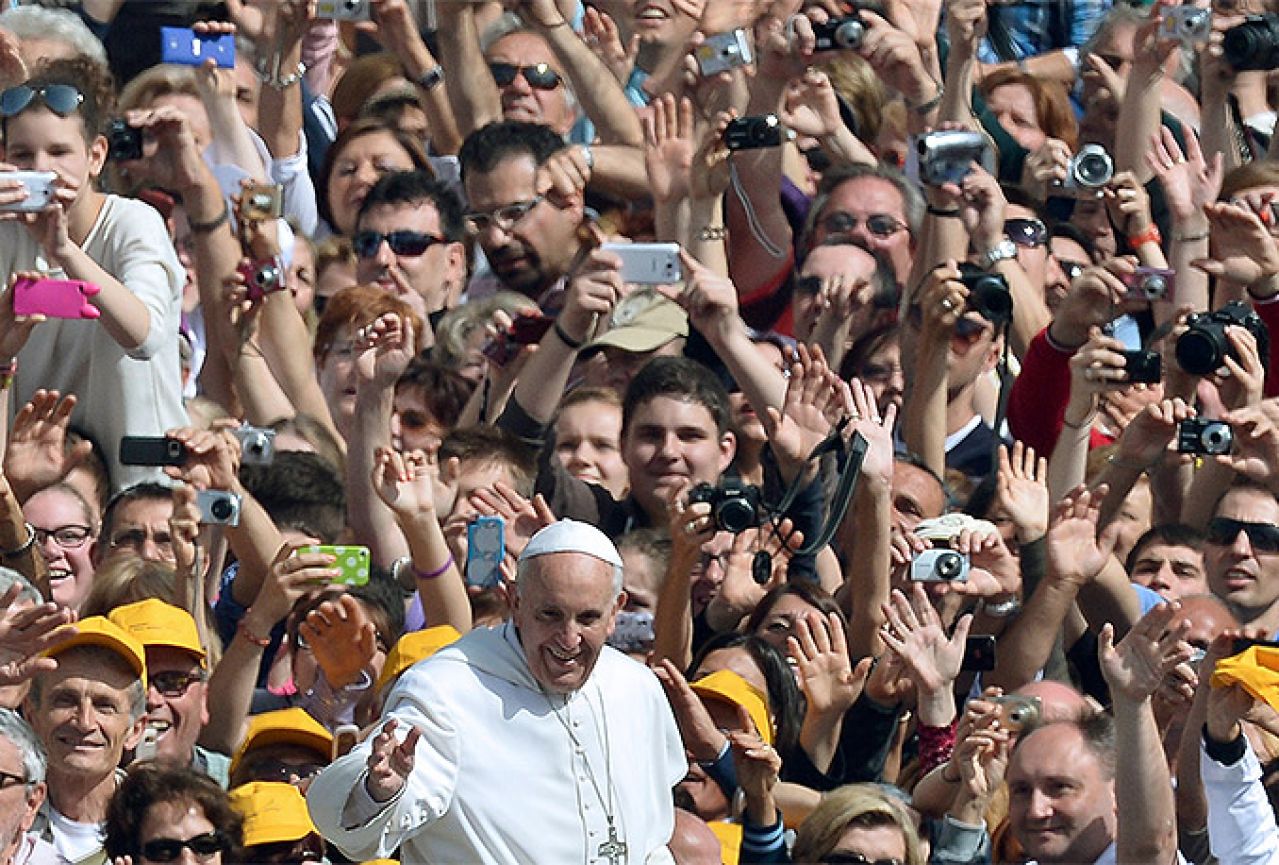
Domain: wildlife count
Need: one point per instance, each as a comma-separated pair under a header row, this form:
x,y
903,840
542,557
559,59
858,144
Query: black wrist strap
x,y
575,344
216,222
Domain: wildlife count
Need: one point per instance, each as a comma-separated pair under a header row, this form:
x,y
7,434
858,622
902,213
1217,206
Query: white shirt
x,y
497,777
1241,823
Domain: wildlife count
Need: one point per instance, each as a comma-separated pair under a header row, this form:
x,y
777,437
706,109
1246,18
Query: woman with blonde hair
x,y
859,823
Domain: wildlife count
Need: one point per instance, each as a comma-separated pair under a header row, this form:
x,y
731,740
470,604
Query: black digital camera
x,y
1203,348
735,506
752,133
124,142
839,33
988,294
1203,436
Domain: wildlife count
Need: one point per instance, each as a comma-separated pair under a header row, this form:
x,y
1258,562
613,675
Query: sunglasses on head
x,y
1263,537
61,99
1026,232
878,224
169,849
367,243
540,76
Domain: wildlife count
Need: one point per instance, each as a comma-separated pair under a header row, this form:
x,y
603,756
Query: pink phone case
x,y
56,298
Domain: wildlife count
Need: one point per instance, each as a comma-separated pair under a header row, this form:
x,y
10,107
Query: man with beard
x,y
176,685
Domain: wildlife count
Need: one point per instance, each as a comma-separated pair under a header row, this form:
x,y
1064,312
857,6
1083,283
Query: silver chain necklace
x,y
614,849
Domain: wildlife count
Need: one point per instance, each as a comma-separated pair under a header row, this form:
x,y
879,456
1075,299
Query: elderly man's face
x,y
82,715
527,100
565,609
19,802
856,202
176,707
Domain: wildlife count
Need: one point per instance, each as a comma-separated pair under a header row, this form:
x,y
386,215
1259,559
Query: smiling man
x,y
176,685
483,744
1241,555
86,713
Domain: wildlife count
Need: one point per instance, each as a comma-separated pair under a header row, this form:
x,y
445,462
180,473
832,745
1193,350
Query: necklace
x,y
614,849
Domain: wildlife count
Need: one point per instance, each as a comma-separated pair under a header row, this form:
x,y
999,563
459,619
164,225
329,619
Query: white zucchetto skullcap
x,y
571,536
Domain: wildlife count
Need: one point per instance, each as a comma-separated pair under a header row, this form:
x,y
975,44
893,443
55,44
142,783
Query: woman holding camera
x,y
124,367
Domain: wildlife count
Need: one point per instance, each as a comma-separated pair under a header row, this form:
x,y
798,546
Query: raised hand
x,y
1150,650
390,762
702,738
1045,167
342,638
212,460
1188,181
819,650
669,147
1255,452
914,631
1075,553
1246,382
37,454
184,532
405,482
26,632
384,349
981,208
813,405
812,108
523,517
1128,203
13,70
601,35
15,330
1145,440
709,298
1022,491
592,293
863,411
1243,250
292,575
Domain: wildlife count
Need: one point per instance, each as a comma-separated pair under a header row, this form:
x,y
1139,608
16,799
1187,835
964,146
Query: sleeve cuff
x,y
1225,753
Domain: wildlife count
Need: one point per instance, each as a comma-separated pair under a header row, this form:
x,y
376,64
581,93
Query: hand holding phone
x,y
184,47
485,550
352,562
55,298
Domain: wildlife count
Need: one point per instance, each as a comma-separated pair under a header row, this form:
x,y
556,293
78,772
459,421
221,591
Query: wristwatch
x,y
1002,251
431,78
28,544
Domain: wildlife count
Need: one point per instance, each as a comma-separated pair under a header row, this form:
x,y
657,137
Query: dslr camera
x,y
988,294
735,506
218,507
1253,44
257,445
1203,348
1202,436
1149,283
947,155
1088,171
1190,24
839,33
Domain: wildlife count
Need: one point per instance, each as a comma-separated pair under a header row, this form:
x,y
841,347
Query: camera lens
x,y
849,34
1201,349
735,515
1154,286
1254,44
221,509
949,565
1093,167
1216,438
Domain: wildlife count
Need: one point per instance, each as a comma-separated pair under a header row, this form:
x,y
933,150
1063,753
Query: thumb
x,y
962,628
862,671
772,421
1106,640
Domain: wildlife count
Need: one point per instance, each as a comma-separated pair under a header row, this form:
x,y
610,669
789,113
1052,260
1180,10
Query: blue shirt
x,y
1034,26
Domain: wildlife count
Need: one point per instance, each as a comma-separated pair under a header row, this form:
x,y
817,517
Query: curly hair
x,y
149,784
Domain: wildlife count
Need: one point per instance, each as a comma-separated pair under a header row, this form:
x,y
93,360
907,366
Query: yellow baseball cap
x,y
413,647
153,623
728,687
288,727
101,631
273,812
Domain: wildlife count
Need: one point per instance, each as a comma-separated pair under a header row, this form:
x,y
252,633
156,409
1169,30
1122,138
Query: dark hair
x,y
785,700
300,490
652,543
153,783
494,143
808,592
682,379
359,129
91,78
146,491
444,390
1172,534
866,345
492,445
412,187
1070,231
1016,195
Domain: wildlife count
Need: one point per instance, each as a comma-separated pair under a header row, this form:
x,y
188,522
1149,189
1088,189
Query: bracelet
x,y
575,344
1003,609
1150,235
282,82
1086,422
925,107
217,222
438,572
30,542
243,630
1191,238
951,213
712,232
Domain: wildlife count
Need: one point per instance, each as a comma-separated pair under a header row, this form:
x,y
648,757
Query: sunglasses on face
x,y
839,857
1263,537
169,849
61,99
172,683
367,243
878,224
1030,233
539,76
505,217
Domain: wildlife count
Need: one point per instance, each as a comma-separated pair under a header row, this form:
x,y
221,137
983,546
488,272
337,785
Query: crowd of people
x,y
639,431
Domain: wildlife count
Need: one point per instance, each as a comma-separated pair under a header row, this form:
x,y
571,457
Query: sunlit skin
x,y
361,163
1172,570
874,843
436,275
863,197
1245,578
177,720
782,618
70,569
671,443
523,102
18,802
565,608
181,821
588,444
916,495
1014,107
141,528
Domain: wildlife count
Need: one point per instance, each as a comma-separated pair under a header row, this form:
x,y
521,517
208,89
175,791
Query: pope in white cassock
x,y
532,742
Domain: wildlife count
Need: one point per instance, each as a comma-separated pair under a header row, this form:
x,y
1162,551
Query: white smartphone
x,y
39,186
648,263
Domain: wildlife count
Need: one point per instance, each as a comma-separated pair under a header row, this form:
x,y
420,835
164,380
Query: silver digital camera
x,y
947,155
1189,24
724,52
1089,170
218,507
939,566
257,445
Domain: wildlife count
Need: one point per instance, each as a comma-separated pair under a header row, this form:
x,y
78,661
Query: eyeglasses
x,y
367,243
1263,537
1030,233
70,537
8,779
61,99
1072,269
136,538
505,217
173,683
271,769
878,224
840,857
540,76
169,849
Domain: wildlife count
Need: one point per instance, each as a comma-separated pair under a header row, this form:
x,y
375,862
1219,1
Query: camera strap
x,y
1003,370
848,457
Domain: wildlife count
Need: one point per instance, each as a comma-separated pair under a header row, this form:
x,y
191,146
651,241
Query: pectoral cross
x,y
614,849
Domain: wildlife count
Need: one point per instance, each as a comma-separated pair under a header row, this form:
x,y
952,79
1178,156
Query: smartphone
x,y
184,47
723,52
485,549
152,451
39,186
124,142
979,653
344,10
1016,712
262,201
56,298
352,562
648,263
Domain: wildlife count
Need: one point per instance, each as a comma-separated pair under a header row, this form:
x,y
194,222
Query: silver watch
x,y
1002,251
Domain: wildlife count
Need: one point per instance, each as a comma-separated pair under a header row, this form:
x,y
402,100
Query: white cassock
x,y
497,777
